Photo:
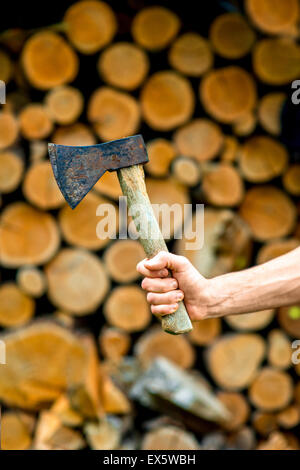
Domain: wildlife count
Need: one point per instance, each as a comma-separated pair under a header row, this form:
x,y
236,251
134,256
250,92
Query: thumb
x,y
163,260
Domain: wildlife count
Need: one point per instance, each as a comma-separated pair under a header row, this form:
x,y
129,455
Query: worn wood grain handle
x,y
133,186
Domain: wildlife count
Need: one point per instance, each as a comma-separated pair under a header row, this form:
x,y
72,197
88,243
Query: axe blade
x,y
77,169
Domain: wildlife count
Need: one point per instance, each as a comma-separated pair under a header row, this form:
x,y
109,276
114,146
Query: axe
x,y
77,169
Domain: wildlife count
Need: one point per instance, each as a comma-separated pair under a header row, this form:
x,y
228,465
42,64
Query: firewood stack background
x,y
87,366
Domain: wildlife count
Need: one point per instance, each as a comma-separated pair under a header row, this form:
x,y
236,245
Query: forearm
x,y
270,285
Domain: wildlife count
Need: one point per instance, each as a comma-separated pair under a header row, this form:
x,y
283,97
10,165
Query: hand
x,y
164,292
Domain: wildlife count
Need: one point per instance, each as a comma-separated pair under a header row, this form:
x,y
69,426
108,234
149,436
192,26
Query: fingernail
x,y
174,284
179,297
175,307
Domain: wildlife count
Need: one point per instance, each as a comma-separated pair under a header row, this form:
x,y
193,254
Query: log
x,y
15,434
6,67
234,359
289,418
167,100
9,129
231,36
273,17
127,308
271,390
155,343
230,150
77,281
114,401
279,350
169,438
205,331
38,150
114,343
289,320
250,321
238,408
269,112
108,185
191,55
269,212
121,259
245,125
276,248
35,122
155,27
276,61
90,25
186,171
31,281
11,170
123,65
40,187
27,236
66,414
161,153
105,435
222,185
291,180
51,434
114,114
75,134
262,158
227,94
264,423
276,441
80,226
201,139
48,60
64,104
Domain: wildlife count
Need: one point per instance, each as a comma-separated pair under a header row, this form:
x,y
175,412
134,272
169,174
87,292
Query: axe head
x,y
77,169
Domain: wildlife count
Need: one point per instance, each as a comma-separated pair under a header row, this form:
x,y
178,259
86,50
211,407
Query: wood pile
x,y
85,359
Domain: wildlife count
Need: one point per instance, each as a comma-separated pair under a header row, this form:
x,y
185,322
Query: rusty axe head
x,y
77,169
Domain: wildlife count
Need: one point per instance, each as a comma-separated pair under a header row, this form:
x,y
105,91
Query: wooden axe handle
x,y
133,186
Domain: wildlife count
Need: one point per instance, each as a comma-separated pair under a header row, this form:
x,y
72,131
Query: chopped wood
x,y
31,281
113,113
109,185
201,139
269,212
204,332
123,65
105,435
279,349
114,401
245,125
291,180
15,434
35,122
114,343
90,25
230,149
187,171
38,150
9,129
40,187
67,415
27,236
238,408
169,438
191,55
75,134
222,185
79,226
51,434
48,60
250,321
235,371
262,158
277,61
161,153
269,112
228,94
155,27
264,423
6,67
64,104
271,390
121,259
289,418
276,441
11,170
289,320
273,17
155,343
127,308
77,281
231,36
276,248
167,100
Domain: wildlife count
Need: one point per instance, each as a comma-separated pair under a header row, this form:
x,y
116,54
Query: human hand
x,y
165,292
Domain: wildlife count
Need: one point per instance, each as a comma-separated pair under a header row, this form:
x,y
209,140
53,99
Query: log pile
x,y
85,359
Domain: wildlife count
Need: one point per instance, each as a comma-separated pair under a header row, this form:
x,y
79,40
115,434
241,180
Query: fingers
x,y
163,260
167,298
161,310
159,285
141,268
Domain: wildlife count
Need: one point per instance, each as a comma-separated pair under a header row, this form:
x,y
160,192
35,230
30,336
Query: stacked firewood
x,y
85,360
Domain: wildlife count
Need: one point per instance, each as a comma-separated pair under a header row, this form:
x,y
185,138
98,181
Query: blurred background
x,y
211,92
